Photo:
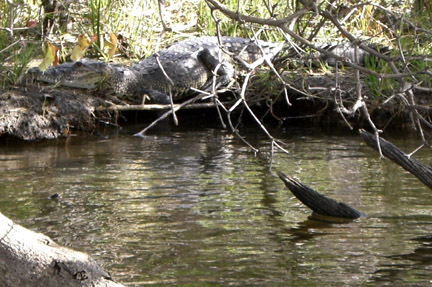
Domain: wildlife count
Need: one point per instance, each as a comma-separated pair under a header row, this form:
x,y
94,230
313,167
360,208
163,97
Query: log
x,y
319,203
28,258
421,171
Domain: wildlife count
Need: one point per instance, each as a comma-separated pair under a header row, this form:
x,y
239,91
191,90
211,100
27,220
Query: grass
x,y
15,51
138,27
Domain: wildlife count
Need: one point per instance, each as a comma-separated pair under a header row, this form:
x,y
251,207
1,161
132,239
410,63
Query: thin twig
x,y
166,114
165,28
281,24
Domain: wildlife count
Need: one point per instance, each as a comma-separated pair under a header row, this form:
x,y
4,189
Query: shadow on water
x,y
195,207
405,268
421,255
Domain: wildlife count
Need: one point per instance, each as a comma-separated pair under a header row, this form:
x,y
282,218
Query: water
x,y
195,207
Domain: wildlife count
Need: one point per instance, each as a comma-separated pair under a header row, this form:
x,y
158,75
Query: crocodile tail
x,y
252,50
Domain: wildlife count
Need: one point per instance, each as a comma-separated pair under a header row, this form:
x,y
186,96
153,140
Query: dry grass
x,y
138,27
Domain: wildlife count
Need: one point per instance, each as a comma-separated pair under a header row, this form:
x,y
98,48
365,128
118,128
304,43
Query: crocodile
x,y
347,50
178,69
186,64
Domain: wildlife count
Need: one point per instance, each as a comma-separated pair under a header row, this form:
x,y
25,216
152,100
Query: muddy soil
x,y
33,113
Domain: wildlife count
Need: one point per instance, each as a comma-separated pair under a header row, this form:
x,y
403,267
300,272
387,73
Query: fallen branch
x,y
389,150
320,204
33,259
157,107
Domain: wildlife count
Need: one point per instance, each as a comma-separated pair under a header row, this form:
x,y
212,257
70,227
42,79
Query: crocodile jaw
x,y
83,81
82,75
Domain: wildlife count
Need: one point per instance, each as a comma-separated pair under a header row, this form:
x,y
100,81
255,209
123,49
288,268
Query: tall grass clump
x,y
15,46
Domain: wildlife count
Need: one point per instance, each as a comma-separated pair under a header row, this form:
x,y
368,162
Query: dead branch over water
x,y
406,80
319,203
346,103
398,67
421,171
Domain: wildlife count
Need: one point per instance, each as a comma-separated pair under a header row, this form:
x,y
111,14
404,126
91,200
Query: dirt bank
x,y
33,113
36,112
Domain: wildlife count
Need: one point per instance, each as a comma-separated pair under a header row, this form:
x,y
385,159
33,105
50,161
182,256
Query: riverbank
x,y
33,111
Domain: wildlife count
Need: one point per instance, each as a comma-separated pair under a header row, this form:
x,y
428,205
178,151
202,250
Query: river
x,y
193,206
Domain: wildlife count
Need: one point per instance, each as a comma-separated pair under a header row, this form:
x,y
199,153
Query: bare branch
x,y
166,114
281,24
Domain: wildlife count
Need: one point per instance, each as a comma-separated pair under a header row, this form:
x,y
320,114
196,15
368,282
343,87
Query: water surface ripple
x,y
196,208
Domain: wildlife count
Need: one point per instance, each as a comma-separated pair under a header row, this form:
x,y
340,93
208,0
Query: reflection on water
x,y
196,208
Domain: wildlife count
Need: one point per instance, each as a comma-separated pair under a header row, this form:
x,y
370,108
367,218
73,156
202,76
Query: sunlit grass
x,y
137,24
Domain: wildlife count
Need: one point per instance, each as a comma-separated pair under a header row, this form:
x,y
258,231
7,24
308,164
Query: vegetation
x,y
131,29
137,25
127,30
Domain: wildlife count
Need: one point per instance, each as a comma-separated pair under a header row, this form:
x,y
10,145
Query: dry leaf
x,y
111,44
83,41
32,24
80,48
50,57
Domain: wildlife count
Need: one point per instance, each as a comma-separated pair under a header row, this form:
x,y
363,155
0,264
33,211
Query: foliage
x,y
20,63
134,27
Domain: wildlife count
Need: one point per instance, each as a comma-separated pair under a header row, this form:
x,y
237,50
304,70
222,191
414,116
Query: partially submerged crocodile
x,y
186,64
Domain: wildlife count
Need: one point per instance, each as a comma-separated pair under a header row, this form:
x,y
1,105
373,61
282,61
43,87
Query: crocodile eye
x,y
78,64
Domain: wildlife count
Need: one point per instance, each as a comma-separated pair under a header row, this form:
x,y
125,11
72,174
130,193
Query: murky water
x,y
196,208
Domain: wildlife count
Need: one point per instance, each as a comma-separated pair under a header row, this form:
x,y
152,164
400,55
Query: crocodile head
x,y
87,74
